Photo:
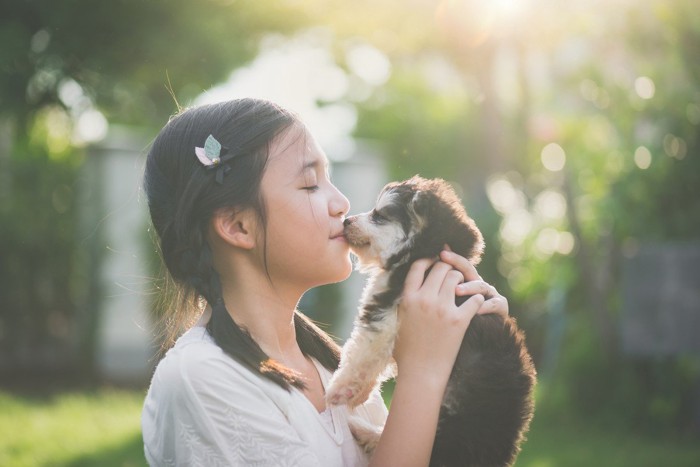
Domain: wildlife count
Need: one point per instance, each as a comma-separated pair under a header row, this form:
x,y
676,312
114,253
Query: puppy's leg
x,y
365,357
366,434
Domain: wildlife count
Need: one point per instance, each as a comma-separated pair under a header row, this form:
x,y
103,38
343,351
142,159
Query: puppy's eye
x,y
378,218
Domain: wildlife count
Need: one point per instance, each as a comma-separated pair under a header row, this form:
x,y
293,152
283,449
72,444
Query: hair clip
x,y
212,158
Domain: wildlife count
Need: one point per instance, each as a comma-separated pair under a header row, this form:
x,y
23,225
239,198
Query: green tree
x,y
66,61
595,151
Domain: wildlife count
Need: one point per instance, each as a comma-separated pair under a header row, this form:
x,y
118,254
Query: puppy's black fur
x,y
488,403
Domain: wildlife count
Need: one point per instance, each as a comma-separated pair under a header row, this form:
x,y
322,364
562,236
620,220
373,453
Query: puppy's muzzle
x,y
353,233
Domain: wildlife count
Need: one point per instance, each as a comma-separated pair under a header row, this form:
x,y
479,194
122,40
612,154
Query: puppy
x,y
488,402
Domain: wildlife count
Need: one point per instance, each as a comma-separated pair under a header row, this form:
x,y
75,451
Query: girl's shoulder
x,y
195,351
196,366
196,357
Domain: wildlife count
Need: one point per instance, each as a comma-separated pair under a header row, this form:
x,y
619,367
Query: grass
x,y
85,428
102,428
564,444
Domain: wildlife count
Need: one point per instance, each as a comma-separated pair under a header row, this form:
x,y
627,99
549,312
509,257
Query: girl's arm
x,y
432,328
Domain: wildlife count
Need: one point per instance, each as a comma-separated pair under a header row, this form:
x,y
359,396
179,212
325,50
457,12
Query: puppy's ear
x,y
467,239
420,203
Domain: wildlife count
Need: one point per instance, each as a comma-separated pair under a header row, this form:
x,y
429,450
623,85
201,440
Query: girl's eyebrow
x,y
315,164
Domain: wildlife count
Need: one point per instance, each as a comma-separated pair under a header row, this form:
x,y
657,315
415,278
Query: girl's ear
x,y
236,227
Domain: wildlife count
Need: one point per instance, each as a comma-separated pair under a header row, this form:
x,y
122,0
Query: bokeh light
x,y
553,157
550,205
642,157
644,87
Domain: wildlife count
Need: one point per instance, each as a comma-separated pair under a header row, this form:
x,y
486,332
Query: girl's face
x,y
305,213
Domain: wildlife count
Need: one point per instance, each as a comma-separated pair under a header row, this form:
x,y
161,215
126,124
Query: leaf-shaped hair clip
x,y
212,156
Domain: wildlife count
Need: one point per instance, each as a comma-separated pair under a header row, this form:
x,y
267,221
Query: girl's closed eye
x,y
311,188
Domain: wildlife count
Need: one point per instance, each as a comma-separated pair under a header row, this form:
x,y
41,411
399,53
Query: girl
x,y
248,221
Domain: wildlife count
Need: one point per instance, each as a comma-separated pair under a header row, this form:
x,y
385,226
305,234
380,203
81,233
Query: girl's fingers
x,y
461,264
497,305
436,277
472,306
416,274
477,286
447,290
444,277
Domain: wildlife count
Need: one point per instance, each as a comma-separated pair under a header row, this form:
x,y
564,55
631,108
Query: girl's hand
x,y
431,324
474,284
431,330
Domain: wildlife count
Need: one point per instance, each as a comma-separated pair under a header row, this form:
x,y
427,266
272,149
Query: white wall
x,y
124,344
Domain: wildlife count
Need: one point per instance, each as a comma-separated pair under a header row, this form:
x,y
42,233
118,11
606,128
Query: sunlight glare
x,y
566,243
299,73
516,226
547,241
369,63
642,157
675,147
553,157
504,197
470,23
550,241
90,127
508,7
550,205
644,86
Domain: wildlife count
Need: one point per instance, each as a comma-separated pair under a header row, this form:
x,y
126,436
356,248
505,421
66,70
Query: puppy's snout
x,y
348,221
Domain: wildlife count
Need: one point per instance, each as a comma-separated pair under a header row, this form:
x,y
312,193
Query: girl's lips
x,y
338,235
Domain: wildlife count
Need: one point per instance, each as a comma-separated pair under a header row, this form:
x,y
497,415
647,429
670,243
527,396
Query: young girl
x,y
248,221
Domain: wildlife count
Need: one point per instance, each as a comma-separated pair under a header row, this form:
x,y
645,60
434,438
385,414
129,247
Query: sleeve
x,y
209,412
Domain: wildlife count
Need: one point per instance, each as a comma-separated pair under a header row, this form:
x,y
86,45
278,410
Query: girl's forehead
x,y
298,150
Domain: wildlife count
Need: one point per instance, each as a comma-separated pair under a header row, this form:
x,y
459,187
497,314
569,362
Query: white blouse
x,y
204,408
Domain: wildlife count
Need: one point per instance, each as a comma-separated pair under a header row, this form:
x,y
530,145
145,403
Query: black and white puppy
x,y
488,402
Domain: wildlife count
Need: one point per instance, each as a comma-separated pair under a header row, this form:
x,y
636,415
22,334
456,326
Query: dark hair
x,y
183,195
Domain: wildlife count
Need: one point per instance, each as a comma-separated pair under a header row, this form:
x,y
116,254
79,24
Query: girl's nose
x,y
340,204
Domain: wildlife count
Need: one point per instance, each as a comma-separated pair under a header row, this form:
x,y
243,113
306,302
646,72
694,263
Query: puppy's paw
x,y
339,395
351,393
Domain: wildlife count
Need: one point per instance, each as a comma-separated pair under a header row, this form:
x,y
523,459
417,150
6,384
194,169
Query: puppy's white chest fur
x,y
367,355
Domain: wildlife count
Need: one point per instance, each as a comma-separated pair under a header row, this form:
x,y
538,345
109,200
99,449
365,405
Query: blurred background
x,y
570,129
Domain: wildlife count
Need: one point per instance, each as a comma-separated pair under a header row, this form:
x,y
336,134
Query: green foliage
x,y
126,54
421,131
43,283
627,119
131,60
652,395
431,132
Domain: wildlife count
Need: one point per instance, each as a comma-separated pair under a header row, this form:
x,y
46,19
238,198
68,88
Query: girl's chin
x,y
344,273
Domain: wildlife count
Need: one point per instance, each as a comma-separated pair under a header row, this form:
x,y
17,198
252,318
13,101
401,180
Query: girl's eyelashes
x,y
311,188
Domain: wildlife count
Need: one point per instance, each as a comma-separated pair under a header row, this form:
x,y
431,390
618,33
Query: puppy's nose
x,y
348,221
